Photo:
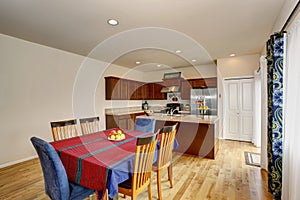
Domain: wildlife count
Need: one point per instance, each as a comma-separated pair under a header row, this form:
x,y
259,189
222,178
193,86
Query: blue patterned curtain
x,y
275,53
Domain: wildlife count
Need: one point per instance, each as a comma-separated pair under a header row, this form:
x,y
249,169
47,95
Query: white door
x,y
239,109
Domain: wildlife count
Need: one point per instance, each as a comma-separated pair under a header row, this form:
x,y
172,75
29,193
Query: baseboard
x,y
17,161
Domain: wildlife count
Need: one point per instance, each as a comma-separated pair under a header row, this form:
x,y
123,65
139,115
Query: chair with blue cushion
x,y
57,186
145,125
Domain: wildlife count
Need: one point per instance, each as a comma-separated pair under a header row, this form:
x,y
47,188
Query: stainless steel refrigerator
x,y
206,97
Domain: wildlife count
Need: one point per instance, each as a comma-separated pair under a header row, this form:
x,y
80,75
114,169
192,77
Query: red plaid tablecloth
x,y
87,158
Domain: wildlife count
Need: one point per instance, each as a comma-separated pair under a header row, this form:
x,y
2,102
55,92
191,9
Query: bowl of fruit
x,y
116,135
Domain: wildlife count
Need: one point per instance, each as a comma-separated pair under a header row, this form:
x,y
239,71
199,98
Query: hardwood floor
x,y
225,178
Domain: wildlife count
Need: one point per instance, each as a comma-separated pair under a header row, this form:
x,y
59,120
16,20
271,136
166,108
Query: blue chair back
x,y
145,125
55,177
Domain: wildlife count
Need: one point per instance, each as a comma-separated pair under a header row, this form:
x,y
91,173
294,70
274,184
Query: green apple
x,y
112,137
119,132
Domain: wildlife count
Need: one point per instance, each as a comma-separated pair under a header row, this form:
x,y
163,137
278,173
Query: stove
x,y
173,108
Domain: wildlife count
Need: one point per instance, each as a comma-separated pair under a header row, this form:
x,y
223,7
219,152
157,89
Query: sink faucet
x,y
172,111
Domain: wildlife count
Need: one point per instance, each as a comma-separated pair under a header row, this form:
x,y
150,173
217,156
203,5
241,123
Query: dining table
x,y
98,163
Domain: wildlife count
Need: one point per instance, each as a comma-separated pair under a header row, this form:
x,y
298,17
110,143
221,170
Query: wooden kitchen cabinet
x,y
145,91
211,82
187,85
186,89
150,87
123,89
198,83
157,95
203,82
132,86
118,121
138,93
125,121
154,91
112,88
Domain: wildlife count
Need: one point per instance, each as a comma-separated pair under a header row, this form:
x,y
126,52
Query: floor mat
x,y
252,159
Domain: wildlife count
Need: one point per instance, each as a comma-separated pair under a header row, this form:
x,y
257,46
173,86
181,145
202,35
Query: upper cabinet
x,y
154,91
189,84
124,89
112,88
203,82
186,87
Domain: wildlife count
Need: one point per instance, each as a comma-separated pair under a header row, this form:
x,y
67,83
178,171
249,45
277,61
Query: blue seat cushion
x,y
145,125
78,192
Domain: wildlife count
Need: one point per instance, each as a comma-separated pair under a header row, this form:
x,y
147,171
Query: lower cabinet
x,y
126,121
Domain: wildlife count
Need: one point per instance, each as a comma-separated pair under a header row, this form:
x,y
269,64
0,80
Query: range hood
x,y
172,82
170,89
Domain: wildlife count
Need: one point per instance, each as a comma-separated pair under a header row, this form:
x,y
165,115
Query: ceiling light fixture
x,y
177,51
113,22
194,60
232,55
137,62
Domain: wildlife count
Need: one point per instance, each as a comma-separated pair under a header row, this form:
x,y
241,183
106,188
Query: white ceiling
x,y
219,27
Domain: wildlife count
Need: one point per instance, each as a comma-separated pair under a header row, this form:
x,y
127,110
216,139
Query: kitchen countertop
x,y
123,111
207,119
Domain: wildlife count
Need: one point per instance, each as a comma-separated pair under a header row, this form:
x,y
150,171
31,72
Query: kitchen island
x,y
196,135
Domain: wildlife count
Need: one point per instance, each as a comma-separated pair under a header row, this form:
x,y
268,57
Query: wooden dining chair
x,y
141,177
64,129
166,143
89,125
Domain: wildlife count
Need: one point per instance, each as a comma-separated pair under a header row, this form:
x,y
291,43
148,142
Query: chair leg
x,y
149,192
133,197
159,185
104,195
170,176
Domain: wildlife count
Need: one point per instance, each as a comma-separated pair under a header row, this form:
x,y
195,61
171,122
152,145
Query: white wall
x,y
238,66
220,104
284,14
38,85
36,88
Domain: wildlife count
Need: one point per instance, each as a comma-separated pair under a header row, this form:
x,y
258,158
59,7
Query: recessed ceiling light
x,y
158,65
194,60
113,22
232,55
177,51
137,62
